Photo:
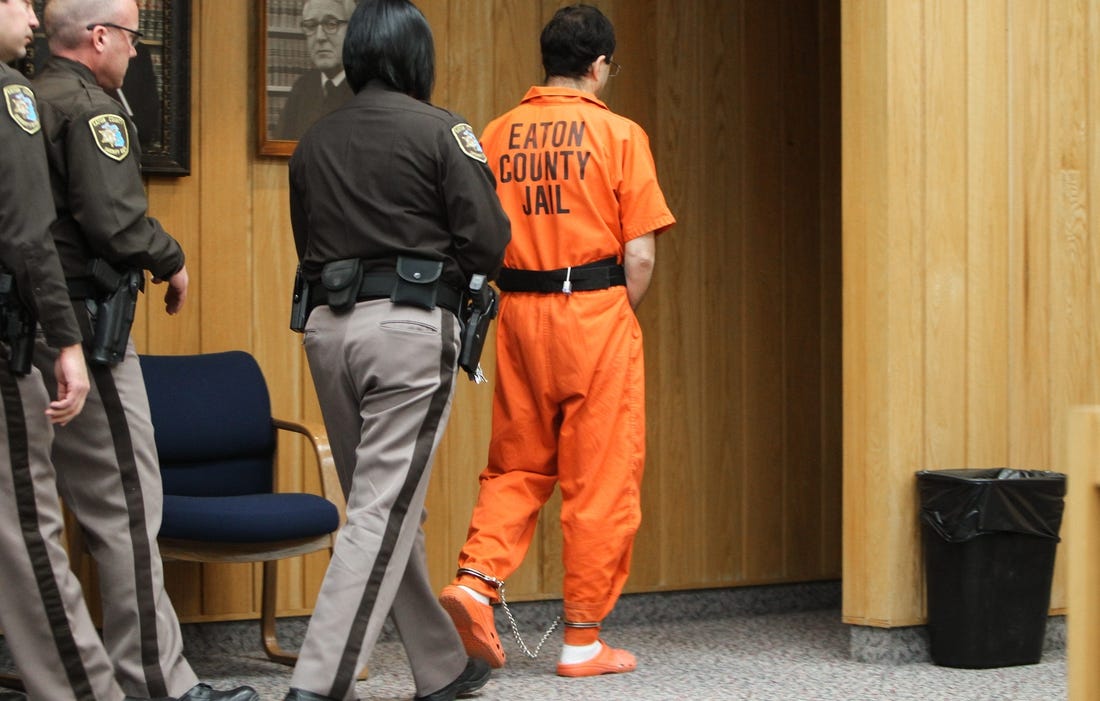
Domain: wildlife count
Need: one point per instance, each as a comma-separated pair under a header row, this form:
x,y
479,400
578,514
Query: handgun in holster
x,y
112,309
17,325
479,308
299,303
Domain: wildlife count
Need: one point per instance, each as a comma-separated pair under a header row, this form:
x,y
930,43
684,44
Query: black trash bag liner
x,y
963,504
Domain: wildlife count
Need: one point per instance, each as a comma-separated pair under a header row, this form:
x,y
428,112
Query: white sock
x,y
572,654
477,595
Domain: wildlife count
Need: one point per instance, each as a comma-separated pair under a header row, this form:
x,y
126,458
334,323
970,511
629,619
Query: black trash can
x,y
989,542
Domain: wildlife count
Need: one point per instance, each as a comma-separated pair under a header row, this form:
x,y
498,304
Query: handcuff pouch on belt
x,y
417,282
17,326
112,305
341,280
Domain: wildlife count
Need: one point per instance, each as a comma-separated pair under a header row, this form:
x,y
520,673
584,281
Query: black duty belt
x,y
380,286
599,275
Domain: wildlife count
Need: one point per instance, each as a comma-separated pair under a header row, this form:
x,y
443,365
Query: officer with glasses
x,y
135,35
105,459
323,88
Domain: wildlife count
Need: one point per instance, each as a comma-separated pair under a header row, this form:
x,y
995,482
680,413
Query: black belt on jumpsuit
x,y
599,275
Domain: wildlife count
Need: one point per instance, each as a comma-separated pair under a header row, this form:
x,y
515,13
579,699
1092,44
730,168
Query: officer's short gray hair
x,y
66,21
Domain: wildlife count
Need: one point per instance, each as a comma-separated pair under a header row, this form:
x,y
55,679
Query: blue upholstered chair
x,y
216,440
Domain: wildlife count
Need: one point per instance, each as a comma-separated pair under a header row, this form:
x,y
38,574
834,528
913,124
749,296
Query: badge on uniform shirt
x,y
110,135
464,135
22,108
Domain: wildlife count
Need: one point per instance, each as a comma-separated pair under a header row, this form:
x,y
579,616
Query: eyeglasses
x,y
135,35
613,68
330,24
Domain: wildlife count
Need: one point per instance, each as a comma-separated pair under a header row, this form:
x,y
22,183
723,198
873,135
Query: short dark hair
x,y
573,38
390,40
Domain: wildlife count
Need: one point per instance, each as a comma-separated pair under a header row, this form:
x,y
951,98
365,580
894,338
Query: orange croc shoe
x,y
475,625
608,660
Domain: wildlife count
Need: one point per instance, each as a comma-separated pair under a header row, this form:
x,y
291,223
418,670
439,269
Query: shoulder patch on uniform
x,y
19,99
464,135
109,131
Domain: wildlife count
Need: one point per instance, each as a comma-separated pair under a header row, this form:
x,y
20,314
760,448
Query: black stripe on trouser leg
x,y
422,452
135,506
48,590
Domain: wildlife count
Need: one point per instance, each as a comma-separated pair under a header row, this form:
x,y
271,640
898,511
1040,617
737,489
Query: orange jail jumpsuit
x,y
577,182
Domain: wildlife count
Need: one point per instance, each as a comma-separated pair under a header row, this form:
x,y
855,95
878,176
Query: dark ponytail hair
x,y
390,41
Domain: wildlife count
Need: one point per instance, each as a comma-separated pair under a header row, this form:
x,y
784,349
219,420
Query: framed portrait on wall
x,y
301,68
157,88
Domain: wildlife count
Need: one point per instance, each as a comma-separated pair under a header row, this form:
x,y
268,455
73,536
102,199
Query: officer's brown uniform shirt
x,y
438,211
95,172
26,211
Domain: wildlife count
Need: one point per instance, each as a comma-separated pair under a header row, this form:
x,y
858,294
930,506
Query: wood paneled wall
x,y
742,323
970,250
1083,543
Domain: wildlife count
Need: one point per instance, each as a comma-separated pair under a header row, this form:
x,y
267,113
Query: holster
x,y
17,324
417,280
299,303
112,309
478,311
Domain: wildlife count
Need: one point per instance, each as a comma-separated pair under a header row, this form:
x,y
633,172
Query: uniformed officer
x,y
581,188
42,611
106,459
393,211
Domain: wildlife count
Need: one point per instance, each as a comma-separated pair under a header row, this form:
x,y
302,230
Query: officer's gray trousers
x,y
42,611
385,379
109,477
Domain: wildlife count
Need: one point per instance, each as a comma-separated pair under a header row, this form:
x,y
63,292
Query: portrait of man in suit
x,y
323,87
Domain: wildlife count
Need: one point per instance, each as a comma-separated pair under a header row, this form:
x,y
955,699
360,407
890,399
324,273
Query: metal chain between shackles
x,y
515,628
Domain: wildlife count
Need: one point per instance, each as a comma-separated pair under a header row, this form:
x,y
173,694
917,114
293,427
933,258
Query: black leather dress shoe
x,y
303,695
203,692
474,677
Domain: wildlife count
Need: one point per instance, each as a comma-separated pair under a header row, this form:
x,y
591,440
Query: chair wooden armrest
x,y
12,681
318,438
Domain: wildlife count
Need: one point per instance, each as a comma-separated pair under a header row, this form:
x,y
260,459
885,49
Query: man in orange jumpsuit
x,y
579,185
